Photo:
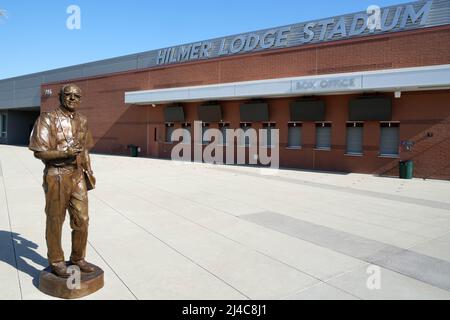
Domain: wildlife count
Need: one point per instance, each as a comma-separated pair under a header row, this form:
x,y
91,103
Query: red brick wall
x,y
115,124
419,113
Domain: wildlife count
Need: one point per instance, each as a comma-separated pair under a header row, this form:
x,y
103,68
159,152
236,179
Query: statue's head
x,y
70,96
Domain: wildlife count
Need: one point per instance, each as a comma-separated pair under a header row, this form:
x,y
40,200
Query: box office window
x,y
210,113
254,112
170,128
323,136
186,133
294,135
269,127
308,110
355,138
244,140
3,125
174,114
370,109
223,129
205,128
389,139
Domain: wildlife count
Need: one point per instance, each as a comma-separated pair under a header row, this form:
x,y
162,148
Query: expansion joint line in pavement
x,y
11,233
172,248
370,251
228,238
117,275
398,198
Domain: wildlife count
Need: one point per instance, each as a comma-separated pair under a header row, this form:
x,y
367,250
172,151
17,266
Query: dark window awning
x,y
254,112
210,113
370,109
308,110
174,114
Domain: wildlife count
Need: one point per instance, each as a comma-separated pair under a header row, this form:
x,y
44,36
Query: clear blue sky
x,y
34,36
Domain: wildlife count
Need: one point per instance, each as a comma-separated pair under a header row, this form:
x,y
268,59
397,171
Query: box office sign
x,y
327,84
420,14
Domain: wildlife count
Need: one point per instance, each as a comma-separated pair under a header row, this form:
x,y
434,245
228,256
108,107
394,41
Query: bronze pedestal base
x,y
55,286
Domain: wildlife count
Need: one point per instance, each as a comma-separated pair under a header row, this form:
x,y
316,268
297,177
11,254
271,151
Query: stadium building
x,y
352,93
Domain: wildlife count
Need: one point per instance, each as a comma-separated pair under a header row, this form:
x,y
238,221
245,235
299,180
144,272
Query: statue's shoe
x,y
84,266
60,269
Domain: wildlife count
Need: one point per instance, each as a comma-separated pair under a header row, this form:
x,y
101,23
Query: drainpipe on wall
x,y
314,159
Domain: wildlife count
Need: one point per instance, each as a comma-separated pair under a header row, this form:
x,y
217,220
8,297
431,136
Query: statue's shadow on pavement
x,y
18,255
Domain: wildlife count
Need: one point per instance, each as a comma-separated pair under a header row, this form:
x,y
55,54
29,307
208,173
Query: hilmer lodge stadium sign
x,y
409,16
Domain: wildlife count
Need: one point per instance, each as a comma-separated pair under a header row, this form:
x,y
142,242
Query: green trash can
x,y
406,169
134,150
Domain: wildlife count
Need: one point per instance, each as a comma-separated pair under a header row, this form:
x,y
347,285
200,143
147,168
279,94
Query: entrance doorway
x,y
153,139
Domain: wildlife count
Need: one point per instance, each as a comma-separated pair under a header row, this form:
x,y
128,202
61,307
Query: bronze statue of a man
x,y
62,140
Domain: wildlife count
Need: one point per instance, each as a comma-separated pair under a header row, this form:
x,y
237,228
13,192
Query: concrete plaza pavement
x,y
168,230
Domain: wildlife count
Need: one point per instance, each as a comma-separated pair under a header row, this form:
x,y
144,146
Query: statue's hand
x,y
73,151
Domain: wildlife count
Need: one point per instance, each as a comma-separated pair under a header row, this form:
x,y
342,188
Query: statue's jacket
x,y
56,131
